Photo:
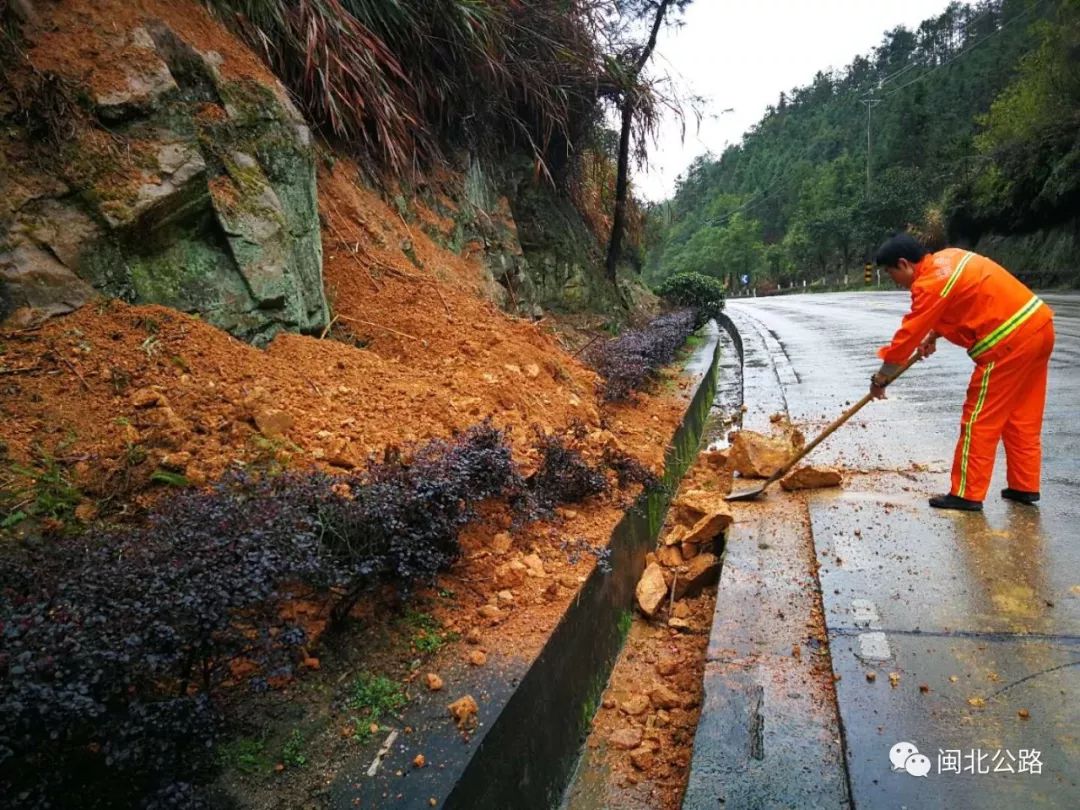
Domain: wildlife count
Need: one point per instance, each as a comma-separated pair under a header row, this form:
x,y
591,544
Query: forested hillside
x,y
972,137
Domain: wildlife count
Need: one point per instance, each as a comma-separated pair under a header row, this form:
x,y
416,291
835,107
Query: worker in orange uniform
x,y
1007,330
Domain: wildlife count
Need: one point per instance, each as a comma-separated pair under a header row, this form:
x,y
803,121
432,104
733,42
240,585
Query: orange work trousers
x,y
1005,401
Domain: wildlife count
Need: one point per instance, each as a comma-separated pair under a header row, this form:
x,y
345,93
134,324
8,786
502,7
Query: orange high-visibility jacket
x,y
969,300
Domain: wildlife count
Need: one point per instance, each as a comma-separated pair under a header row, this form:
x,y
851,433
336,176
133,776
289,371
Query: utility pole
x,y
869,102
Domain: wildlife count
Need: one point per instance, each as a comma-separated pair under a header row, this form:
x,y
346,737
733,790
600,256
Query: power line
x,y
912,65
723,219
966,50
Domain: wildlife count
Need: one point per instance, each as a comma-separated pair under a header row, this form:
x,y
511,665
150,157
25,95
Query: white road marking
x,y
874,647
864,614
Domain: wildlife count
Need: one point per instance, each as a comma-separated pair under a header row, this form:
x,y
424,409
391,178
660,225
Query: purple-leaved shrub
x,y
632,359
115,646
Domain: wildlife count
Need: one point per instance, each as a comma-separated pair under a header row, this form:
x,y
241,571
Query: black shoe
x,y
955,502
1020,496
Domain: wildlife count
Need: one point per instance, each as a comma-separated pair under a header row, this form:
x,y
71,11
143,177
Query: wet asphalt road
x,y
975,616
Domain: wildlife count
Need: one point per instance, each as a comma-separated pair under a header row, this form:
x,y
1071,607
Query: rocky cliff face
x,y
534,244
189,187
1049,257
148,155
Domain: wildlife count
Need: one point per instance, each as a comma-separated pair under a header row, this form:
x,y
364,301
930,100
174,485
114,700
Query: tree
x,y
628,69
702,254
728,250
799,173
741,246
1029,143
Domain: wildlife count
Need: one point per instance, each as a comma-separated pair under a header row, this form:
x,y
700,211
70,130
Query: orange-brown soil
x,y
112,393
437,357
89,41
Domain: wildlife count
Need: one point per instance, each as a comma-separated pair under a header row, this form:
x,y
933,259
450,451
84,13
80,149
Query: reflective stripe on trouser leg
x,y
1022,434
965,453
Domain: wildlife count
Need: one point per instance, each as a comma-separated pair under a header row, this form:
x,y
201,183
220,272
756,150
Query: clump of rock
x,y
464,711
702,571
811,478
755,455
684,562
651,590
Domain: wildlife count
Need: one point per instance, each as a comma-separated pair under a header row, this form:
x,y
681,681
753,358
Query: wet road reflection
x,y
969,623
1005,565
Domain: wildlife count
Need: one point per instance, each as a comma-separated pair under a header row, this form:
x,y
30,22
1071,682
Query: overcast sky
x,y
740,54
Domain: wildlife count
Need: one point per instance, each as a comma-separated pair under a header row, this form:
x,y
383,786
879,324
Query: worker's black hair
x,y
899,246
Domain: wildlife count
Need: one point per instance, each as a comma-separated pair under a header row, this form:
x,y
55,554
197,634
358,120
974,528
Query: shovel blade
x,y
746,495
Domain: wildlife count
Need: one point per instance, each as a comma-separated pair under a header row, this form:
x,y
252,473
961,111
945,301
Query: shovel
x,y
751,494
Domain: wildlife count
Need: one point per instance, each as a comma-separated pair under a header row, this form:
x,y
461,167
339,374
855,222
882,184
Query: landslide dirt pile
x,y
117,393
116,402
114,408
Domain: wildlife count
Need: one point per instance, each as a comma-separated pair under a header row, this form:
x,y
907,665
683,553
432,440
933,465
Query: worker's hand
x,y
928,346
877,387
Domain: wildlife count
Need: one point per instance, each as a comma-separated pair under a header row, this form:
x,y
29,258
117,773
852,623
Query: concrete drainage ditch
x,y
637,751
535,714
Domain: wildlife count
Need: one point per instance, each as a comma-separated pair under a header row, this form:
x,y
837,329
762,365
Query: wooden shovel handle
x,y
850,412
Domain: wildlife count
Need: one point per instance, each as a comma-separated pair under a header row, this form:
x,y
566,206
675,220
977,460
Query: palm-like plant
x,y
403,79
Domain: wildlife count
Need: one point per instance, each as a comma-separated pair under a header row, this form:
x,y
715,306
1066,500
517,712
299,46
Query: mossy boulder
x,y
197,192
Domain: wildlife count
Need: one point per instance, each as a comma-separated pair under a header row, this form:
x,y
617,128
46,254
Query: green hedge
x,y
704,293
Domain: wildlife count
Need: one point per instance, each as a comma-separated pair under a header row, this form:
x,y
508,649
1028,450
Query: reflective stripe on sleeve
x,y
956,273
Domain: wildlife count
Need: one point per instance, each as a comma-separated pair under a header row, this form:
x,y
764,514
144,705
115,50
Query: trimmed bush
x,y
631,360
704,294
115,647
563,476
118,647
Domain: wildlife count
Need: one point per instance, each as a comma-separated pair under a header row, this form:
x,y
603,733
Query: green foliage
x,y
977,114
292,753
169,478
245,754
421,621
403,79
376,696
428,637
427,642
704,293
42,490
1029,150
